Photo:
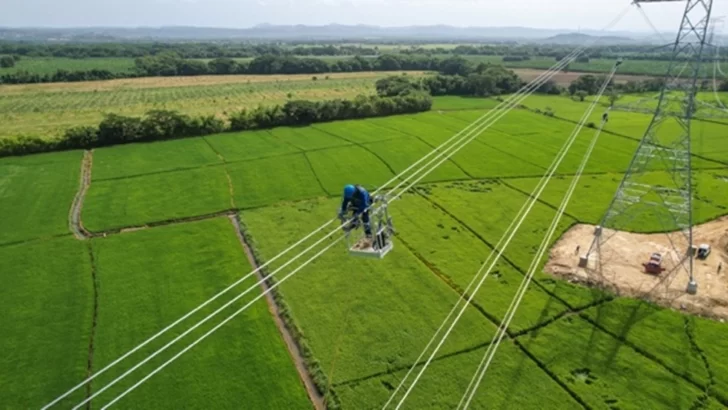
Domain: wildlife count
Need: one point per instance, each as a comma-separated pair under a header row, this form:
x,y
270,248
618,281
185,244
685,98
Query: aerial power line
x,y
667,202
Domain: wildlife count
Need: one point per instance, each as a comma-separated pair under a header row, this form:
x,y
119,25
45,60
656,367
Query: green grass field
x,y
49,65
363,321
181,266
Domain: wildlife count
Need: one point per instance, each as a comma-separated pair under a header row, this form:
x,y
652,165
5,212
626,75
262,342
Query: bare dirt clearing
x,y
563,78
623,273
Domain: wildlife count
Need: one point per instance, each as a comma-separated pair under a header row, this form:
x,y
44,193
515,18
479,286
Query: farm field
x,y
48,109
49,65
363,322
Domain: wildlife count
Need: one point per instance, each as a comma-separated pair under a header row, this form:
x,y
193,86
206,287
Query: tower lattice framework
x,y
656,192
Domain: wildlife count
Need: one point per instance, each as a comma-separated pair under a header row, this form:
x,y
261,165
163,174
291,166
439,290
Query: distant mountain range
x,y
268,32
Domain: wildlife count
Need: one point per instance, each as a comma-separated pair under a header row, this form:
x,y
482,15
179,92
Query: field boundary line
x,y
294,350
527,195
94,321
689,331
362,146
488,244
311,371
315,175
216,164
509,334
450,283
400,368
426,143
636,139
157,224
33,240
74,216
269,131
553,375
231,189
643,353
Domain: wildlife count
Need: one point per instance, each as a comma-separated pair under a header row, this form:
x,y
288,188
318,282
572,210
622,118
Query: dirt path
x,y
314,395
622,271
74,217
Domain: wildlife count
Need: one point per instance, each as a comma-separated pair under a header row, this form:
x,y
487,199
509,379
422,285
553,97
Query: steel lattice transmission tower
x,y
656,191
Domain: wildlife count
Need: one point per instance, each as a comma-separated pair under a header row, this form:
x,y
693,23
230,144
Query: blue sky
x,y
563,14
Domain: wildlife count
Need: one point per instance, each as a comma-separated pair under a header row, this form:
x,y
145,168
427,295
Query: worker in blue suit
x,y
356,197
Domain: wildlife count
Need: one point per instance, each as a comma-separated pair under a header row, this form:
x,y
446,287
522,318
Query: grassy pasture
x,y
36,194
594,193
603,371
455,252
49,65
147,158
400,154
271,180
157,197
340,166
48,109
47,299
365,321
487,207
242,146
513,381
163,273
307,138
661,333
365,318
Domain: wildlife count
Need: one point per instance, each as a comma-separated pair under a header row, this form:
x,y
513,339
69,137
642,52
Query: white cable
x,y
239,281
215,297
106,387
221,324
493,347
178,321
533,200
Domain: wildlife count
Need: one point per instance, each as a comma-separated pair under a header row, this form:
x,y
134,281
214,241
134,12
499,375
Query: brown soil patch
x,y
562,78
622,271
159,82
293,349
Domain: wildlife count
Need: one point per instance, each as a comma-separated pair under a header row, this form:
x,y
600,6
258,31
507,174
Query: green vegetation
x,y
36,195
51,65
164,273
48,109
354,316
159,125
604,372
361,323
157,197
47,300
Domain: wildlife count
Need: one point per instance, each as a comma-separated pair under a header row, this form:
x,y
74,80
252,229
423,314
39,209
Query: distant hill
x,y
580,39
331,32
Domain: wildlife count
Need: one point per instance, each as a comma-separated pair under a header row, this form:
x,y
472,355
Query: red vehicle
x,y
654,266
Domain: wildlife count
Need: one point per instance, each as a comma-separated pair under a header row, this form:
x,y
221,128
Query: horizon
x,y
566,15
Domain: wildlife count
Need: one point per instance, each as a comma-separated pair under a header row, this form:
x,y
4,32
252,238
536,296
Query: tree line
x,y
172,64
186,49
483,80
160,125
229,49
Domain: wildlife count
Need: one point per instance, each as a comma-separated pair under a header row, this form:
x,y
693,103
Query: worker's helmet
x,y
349,191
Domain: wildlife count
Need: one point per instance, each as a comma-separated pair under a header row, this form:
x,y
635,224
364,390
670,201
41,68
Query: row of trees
x,y
164,125
483,80
185,49
211,50
172,64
